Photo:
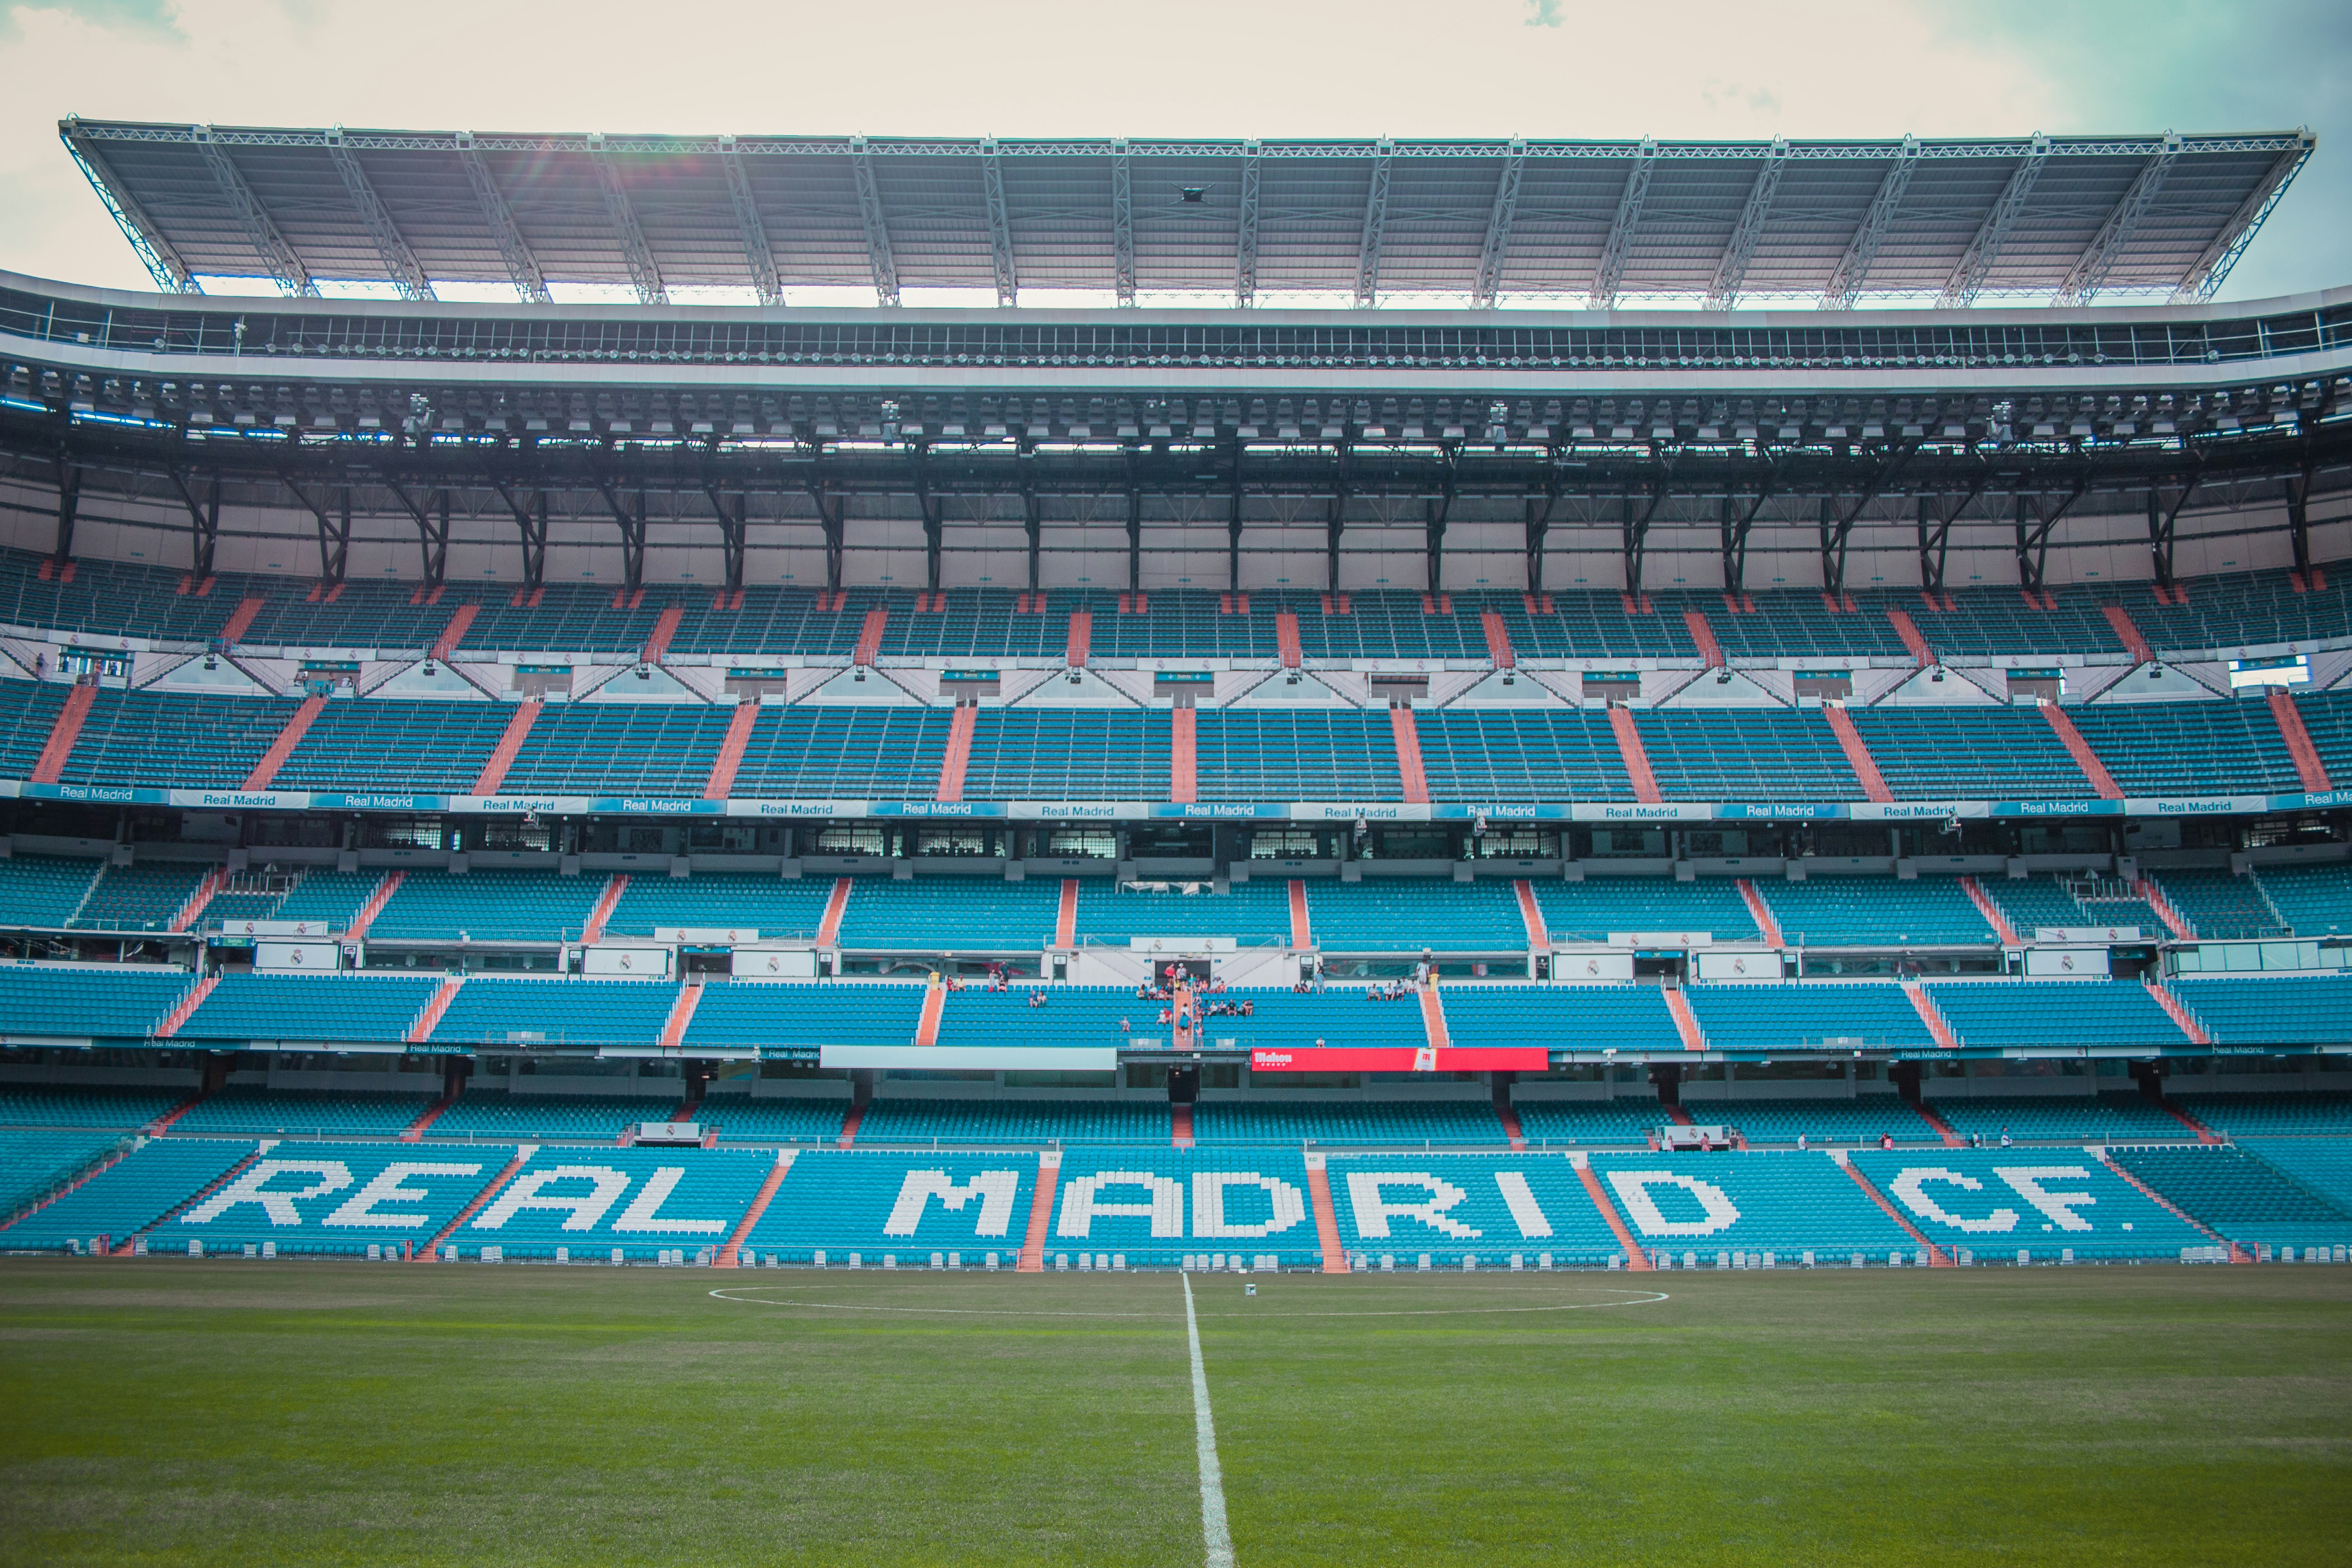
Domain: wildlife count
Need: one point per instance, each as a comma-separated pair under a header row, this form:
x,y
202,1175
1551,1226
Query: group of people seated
x,y
999,978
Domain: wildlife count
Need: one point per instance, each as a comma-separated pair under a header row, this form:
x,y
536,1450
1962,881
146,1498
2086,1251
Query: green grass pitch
x,y
175,1412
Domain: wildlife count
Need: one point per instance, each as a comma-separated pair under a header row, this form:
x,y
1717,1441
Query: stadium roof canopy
x,y
2058,217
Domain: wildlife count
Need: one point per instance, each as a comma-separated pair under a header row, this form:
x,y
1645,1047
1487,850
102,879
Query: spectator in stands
x,y
2004,1137
1037,998
1801,1143
1887,1140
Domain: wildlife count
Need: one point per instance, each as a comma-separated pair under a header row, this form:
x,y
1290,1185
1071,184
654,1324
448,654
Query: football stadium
x,y
1619,930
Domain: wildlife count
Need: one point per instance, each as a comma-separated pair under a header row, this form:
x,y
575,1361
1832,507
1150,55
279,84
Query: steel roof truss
x,y
1498,228
757,256
1376,218
1245,248
432,532
1967,279
334,529
643,275
1613,255
2203,278
155,253
633,530
400,263
1122,226
522,267
2034,536
884,267
2106,247
1739,516
277,256
203,521
1854,267
530,526
1637,529
999,227
1935,522
1732,270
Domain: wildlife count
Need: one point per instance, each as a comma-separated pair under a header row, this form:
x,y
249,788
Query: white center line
x,y
1214,1536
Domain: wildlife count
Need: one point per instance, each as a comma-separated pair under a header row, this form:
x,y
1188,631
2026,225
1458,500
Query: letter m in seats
x,y
994,1189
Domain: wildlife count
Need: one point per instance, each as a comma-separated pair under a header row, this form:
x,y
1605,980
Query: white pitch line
x,y
1215,1538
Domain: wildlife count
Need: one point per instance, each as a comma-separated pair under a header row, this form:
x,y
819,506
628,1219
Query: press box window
x,y
1290,843
2028,684
1091,842
2293,671
957,841
1832,683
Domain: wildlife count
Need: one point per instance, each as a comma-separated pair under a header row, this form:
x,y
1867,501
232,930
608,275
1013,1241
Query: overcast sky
x,y
1464,68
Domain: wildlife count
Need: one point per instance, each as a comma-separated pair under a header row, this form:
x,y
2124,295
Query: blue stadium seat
x,y
617,1204
2302,1114
1407,914
121,1110
328,1199
1589,1123
574,1012
903,1208
89,1001
2043,1204
2117,1116
1012,1122
36,1161
496,1113
128,1197
1812,1015
1385,1123
1597,907
1156,1207
2316,900
943,913
1860,912
2017,1014
2270,1009
304,1114
2322,1165
1395,1211
1707,1211
773,907
488,906
805,1016
2243,1198
362,1008
1822,1122
44,891
1560,1017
